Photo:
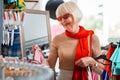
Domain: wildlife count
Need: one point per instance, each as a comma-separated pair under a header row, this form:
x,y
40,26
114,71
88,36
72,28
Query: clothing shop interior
x,y
27,28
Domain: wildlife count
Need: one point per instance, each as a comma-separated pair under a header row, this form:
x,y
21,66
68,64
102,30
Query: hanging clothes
x,y
113,70
111,49
14,4
20,4
12,21
116,59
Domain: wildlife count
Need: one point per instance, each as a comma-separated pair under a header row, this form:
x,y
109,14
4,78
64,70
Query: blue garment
x,y
15,49
105,75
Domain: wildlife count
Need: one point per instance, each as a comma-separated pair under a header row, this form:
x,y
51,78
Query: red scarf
x,y
80,73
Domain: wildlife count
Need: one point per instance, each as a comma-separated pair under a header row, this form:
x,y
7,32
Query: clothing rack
x,y
13,20
113,55
114,44
12,24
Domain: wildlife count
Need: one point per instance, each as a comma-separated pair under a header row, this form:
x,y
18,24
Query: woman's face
x,y
68,23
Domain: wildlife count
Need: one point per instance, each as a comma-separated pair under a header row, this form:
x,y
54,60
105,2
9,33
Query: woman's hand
x,y
86,61
34,47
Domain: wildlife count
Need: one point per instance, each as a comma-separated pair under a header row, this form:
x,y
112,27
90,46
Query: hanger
x,y
118,43
113,45
103,56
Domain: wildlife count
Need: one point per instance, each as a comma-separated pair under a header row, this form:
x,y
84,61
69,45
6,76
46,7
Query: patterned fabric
x,y
80,73
14,4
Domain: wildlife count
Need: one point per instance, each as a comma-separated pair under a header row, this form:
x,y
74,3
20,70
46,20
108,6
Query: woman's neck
x,y
77,29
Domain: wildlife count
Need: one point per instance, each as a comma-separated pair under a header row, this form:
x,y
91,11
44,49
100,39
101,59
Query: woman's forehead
x,y
61,13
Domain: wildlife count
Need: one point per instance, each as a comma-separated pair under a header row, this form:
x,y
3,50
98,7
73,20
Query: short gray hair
x,y
69,7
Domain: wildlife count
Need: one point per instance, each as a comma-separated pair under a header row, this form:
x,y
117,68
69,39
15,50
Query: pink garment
x,y
94,76
38,55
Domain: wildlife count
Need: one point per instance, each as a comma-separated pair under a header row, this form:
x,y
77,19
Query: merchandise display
x,y
22,70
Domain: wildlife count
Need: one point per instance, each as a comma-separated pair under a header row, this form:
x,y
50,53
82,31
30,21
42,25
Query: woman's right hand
x,y
86,61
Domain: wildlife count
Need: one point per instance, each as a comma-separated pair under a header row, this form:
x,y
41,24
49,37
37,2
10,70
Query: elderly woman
x,y
76,47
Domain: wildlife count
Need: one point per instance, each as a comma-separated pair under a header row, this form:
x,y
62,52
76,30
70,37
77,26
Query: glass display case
x,y
13,69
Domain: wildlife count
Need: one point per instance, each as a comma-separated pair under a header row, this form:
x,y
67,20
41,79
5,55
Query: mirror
x,y
36,30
